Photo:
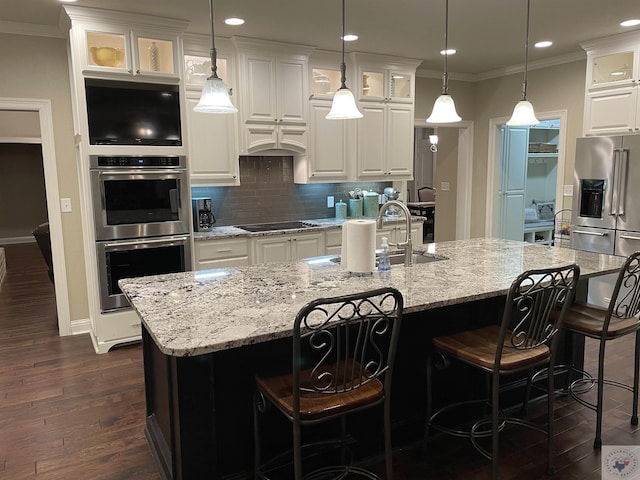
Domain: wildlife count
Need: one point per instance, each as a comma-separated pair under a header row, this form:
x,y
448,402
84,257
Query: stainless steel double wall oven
x,y
141,215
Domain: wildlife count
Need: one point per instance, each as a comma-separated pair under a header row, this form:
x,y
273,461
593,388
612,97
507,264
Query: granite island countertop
x,y
195,313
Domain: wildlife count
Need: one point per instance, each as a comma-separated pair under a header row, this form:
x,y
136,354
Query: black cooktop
x,y
268,227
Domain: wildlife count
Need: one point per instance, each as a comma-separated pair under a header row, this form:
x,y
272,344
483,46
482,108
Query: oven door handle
x,y
141,172
595,234
146,241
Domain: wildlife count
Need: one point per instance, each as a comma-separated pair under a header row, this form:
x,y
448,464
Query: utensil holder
x,y
355,207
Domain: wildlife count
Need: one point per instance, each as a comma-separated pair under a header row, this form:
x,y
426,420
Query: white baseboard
x,y
80,326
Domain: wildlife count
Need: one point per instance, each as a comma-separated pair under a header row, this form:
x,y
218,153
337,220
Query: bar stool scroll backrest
x,y
625,300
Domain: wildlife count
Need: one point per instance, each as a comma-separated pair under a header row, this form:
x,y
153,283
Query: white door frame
x,y
43,108
465,173
493,166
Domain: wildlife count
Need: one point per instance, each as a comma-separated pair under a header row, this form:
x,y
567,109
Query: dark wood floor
x,y
67,413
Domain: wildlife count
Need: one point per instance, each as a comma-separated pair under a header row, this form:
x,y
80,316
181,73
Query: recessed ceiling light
x,y
350,37
543,44
67,1
630,23
449,51
234,21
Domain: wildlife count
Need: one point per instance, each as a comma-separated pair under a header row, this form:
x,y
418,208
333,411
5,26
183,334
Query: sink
x,y
397,258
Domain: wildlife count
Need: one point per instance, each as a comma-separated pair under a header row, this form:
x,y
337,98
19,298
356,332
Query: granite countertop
x,y
316,224
194,313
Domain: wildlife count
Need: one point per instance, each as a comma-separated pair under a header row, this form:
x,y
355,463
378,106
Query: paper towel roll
x,y
359,246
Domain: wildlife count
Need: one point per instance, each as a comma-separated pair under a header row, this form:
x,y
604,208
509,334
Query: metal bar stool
x,y
343,356
603,324
526,338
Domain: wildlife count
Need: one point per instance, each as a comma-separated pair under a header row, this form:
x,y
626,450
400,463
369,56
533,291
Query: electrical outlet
x,y
568,190
65,205
444,186
330,201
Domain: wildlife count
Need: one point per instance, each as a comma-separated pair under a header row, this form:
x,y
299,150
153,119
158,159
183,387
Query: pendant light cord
x,y
445,75
526,53
214,52
343,66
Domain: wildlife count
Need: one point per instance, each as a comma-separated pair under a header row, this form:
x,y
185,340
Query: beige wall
x,y
36,67
554,88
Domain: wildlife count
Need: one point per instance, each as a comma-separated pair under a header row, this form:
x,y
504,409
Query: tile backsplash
x,y
267,194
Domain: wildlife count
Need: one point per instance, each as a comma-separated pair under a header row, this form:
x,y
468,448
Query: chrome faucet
x,y
406,245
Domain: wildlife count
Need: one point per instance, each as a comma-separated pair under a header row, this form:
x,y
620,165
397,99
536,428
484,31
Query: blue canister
x,y
371,205
355,207
341,210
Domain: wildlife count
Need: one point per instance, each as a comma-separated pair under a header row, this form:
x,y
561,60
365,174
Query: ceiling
x,y
488,34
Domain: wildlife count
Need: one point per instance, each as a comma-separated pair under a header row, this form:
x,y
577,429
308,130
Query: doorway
x,y
525,178
43,137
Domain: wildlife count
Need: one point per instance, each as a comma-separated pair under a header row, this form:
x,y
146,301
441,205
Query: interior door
x,y
513,181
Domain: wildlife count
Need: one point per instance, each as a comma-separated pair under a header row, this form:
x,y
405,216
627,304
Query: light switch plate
x,y
568,190
444,186
65,205
330,201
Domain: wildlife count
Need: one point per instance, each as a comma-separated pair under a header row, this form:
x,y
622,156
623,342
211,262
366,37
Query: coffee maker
x,y
203,218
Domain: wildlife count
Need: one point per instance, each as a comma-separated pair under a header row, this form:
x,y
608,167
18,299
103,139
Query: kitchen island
x,y
205,334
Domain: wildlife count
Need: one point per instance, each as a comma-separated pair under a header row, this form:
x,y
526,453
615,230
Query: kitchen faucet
x,y
406,245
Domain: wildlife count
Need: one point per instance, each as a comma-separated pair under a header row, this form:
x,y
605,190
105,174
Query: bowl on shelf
x,y
107,56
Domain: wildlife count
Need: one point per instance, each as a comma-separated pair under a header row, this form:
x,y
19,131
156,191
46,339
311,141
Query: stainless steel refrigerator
x,y
606,202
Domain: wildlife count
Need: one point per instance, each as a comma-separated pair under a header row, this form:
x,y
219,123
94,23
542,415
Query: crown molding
x,y
503,72
17,28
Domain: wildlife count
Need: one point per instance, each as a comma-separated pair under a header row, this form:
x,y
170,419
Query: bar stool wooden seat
x,y
525,338
343,355
604,324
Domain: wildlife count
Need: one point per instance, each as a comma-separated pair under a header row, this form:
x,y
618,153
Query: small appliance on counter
x,y
392,194
203,219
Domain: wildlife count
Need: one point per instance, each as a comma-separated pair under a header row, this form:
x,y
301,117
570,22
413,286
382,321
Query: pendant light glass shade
x,y
215,94
215,98
444,108
523,113
344,105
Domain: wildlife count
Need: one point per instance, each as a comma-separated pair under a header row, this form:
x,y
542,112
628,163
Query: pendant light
x,y
444,109
344,105
523,114
215,94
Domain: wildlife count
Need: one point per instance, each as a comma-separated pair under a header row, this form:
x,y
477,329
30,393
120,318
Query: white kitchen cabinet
x,y
385,142
119,45
612,102
611,111
333,241
212,139
285,248
213,146
328,154
274,94
385,88
397,233
224,252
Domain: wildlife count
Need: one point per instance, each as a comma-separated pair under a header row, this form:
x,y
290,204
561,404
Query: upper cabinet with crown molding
x,y
212,139
274,92
612,101
111,44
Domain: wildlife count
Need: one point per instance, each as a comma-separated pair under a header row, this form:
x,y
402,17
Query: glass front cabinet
x,y
117,44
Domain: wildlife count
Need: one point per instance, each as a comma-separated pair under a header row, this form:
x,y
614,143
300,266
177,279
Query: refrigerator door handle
x,y
615,184
595,234
622,183
629,237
